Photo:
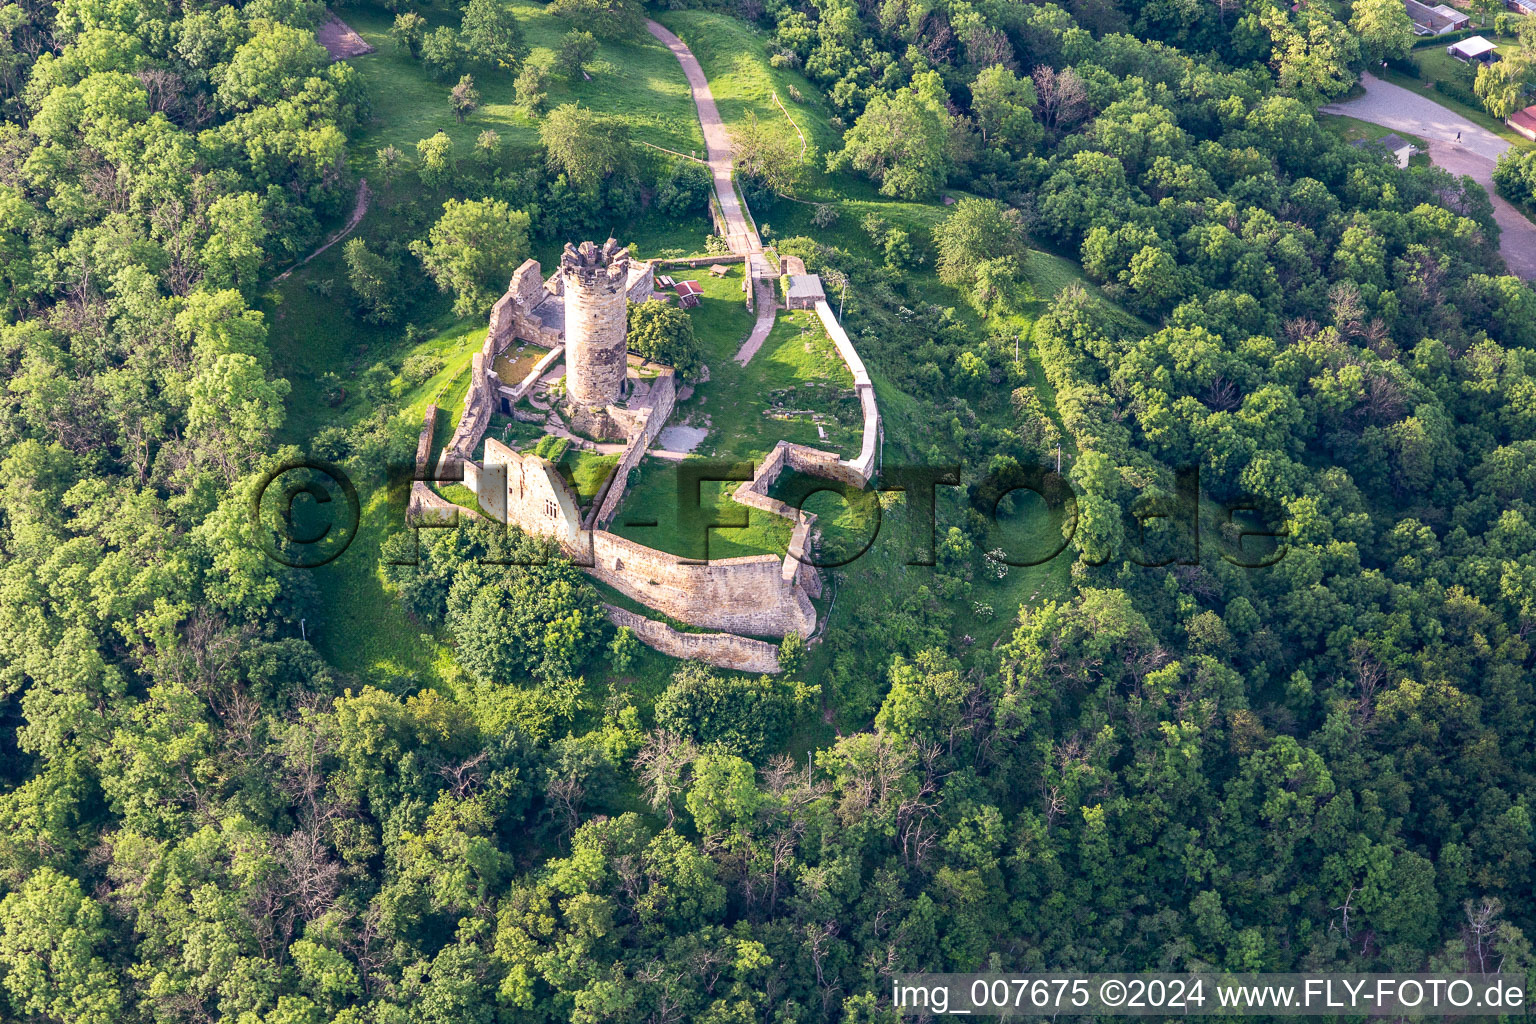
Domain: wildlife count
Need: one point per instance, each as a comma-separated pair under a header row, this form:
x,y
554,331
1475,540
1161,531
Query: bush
x,y
543,621
420,368
1458,92
751,717
1515,177
1447,39
685,191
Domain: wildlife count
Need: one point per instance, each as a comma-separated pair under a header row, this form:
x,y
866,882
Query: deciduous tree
x,y
472,249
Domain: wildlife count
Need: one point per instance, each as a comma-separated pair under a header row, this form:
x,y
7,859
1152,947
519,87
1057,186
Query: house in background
x,y
1524,122
1475,48
1521,6
1392,146
1435,21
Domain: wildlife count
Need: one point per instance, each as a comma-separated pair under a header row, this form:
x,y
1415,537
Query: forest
x,y
431,784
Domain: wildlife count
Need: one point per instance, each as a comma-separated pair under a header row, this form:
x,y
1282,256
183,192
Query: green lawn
x,y
653,498
721,320
640,82
747,407
313,332
586,472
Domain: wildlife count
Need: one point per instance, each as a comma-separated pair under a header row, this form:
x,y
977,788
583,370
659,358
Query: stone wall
x,y
528,284
596,283
642,281
723,650
663,396
529,492
424,442
701,261
869,450
478,406
426,505
740,595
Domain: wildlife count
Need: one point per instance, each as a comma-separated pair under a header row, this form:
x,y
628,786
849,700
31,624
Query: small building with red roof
x,y
1524,122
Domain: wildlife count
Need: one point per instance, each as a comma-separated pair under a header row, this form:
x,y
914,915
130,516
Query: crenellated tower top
x,y
593,267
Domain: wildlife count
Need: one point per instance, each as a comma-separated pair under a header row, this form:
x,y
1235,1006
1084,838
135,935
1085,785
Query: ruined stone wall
x,y
424,442
595,322
528,284
528,492
723,650
739,595
478,406
642,281
663,397
701,261
503,325
425,505
512,316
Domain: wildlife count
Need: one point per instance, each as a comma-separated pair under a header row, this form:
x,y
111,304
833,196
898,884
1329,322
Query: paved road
x,y
1474,154
740,232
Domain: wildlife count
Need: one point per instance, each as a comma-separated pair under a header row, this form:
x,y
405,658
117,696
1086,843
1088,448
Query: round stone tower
x,y
596,284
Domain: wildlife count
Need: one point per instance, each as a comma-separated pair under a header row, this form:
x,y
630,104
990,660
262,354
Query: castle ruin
x,y
581,314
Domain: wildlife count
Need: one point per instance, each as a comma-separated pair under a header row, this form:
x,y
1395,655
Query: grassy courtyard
x,y
656,514
749,409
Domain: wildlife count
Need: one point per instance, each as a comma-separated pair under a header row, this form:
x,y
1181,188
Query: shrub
x,y
1458,92
750,717
420,368
685,191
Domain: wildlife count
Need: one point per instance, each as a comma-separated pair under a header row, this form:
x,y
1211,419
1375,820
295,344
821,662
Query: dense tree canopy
x,y
1299,752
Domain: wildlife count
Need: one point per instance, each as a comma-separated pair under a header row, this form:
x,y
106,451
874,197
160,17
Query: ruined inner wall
x,y
663,396
528,492
753,595
596,286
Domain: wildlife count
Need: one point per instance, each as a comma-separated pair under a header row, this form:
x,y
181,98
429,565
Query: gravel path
x,y
1474,154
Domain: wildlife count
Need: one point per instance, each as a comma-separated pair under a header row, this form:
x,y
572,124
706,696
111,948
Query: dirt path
x,y
358,210
767,309
340,39
717,142
1455,144
740,232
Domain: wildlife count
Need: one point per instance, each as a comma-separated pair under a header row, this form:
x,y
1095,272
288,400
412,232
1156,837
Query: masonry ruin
x,y
580,315
596,291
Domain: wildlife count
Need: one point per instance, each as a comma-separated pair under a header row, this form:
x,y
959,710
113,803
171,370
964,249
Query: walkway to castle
x,y
740,233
